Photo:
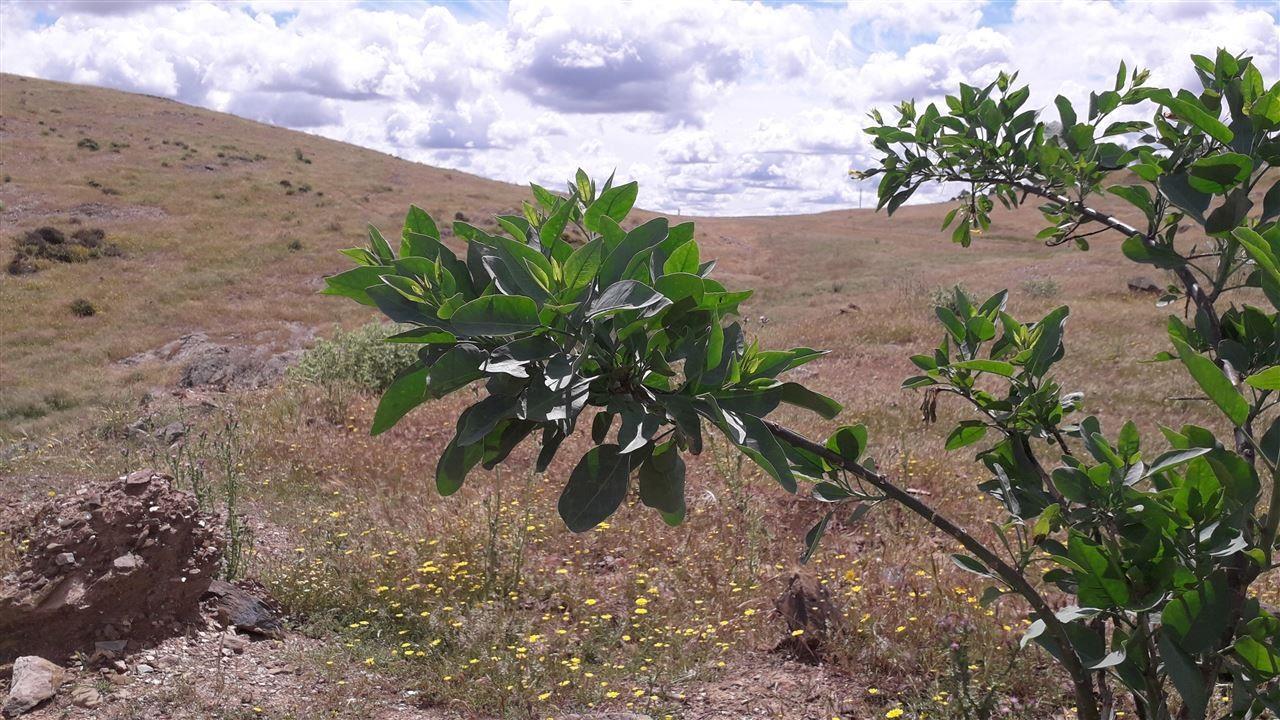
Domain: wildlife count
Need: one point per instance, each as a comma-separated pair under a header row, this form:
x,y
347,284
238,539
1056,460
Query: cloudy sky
x,y
717,108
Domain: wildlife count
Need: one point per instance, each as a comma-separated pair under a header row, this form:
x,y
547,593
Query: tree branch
x,y
1086,698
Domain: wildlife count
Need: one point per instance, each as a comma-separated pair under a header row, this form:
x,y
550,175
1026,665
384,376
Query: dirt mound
x,y
125,560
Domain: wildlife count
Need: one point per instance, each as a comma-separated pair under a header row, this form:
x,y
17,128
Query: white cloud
x,y
715,107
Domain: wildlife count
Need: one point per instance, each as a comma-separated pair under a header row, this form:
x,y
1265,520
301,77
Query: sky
x,y
716,108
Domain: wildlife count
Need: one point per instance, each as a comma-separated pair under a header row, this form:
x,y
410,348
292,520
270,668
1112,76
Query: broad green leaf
x,y
967,432
354,282
596,487
418,221
581,267
683,259
996,367
496,315
1198,617
626,295
1261,657
1193,113
406,392
1177,190
680,285
661,480
1185,675
801,396
1214,382
454,464
849,442
614,203
1216,174
457,368
633,243
1268,379
1162,256
1101,584
551,230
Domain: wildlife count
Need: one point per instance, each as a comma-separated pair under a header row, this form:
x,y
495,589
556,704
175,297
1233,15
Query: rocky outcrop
x,y
118,562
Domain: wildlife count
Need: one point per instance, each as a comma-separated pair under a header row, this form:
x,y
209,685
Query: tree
x,y
1159,551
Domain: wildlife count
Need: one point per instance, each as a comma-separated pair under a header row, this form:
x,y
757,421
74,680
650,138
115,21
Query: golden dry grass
x,y
353,537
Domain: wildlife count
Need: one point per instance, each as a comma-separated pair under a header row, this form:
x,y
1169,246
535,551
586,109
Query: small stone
x,y
66,558
118,678
34,681
235,643
144,669
127,563
138,478
105,650
86,697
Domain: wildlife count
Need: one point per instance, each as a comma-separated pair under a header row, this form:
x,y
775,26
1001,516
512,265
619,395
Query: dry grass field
x,y
482,604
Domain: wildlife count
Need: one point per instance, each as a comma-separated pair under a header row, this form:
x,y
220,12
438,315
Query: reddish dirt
x,y
120,560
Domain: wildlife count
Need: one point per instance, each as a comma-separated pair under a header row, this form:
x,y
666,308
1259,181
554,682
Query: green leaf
x,y
480,419
1198,617
454,464
849,442
457,368
1160,255
418,221
1177,190
380,246
1214,382
581,267
1101,584
596,488
626,295
614,203
355,282
1216,174
1066,113
996,367
406,392
801,396
964,562
967,432
1193,113
683,259
661,480
551,230
496,315
1046,348
814,536
1185,674
643,238
1260,657
1268,379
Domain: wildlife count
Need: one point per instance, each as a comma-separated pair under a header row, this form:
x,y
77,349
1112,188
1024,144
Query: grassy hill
x,y
226,226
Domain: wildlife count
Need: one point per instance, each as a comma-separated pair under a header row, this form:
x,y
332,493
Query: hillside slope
x,y
226,227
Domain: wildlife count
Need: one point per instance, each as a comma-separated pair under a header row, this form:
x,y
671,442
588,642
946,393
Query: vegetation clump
x,y
83,308
359,358
51,244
